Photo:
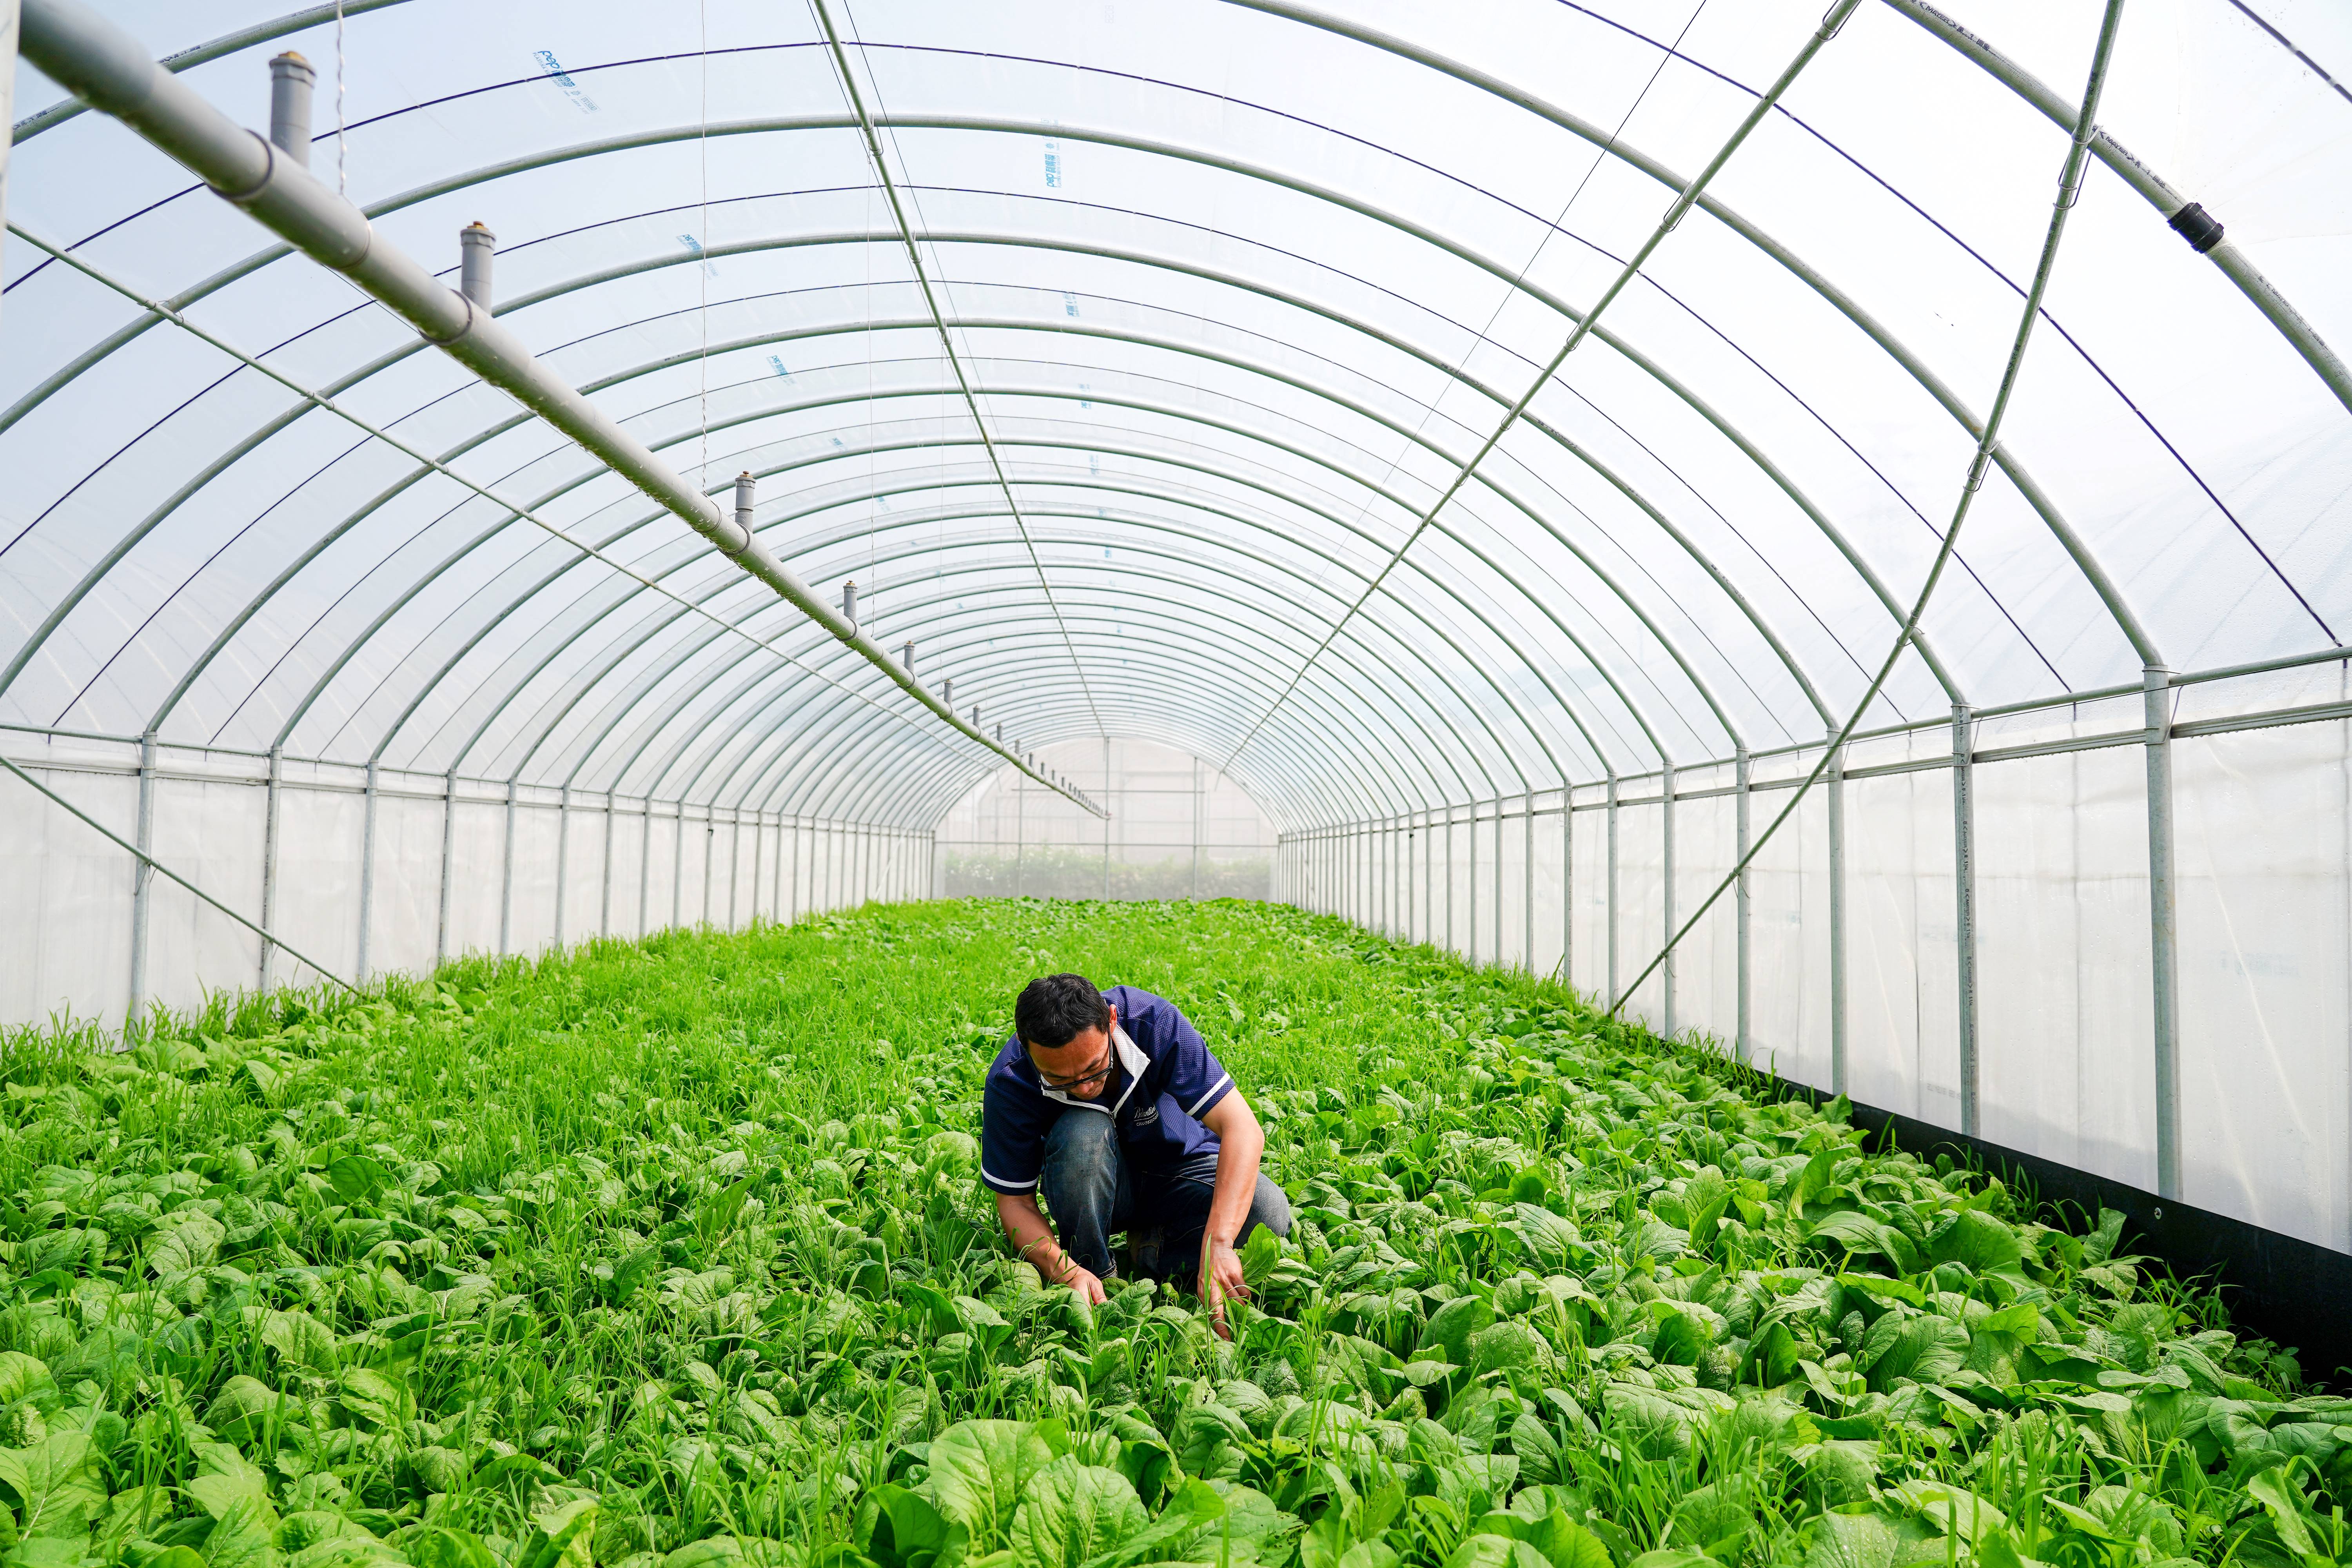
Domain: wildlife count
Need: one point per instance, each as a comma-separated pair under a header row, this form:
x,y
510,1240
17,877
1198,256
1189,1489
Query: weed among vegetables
x,y
672,1254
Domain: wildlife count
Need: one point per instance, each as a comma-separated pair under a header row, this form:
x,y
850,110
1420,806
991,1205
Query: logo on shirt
x,y
1146,1113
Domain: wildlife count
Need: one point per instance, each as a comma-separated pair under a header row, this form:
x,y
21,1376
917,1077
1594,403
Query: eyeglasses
x,y
1109,1066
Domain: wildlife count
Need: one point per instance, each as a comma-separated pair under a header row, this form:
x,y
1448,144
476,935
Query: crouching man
x,y
1110,1107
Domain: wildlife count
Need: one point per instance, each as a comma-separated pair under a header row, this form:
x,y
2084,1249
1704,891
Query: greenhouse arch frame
x,y
1516,652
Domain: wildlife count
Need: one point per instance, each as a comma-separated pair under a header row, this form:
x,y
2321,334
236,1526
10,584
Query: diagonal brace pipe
x,y
107,69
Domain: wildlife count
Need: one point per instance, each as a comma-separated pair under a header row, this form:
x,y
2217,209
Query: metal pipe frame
x,y
2104,154
1964,913
106,68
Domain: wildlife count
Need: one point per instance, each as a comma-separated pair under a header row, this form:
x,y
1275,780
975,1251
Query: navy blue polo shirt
x,y
1167,1082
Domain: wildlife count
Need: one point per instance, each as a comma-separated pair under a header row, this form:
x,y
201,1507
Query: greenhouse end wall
x,y
2064,998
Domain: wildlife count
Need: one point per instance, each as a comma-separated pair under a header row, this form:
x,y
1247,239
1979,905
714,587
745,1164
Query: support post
x,y
710,843
1528,892
1450,946
1834,783
563,859
1567,885
1610,890
2163,930
270,860
505,880
1105,821
1472,878
605,892
367,873
678,868
1740,798
1964,912
448,854
793,888
1195,894
142,879
1667,890
1429,876
645,863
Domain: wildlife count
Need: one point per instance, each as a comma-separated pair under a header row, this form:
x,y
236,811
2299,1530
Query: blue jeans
x,y
1091,1192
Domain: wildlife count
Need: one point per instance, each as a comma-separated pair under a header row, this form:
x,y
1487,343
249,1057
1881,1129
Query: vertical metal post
x,y
1667,888
1834,782
759,856
710,836
605,892
1472,878
1568,885
1020,829
792,904
1964,912
1739,894
506,881
1428,877
448,859
367,872
1195,893
142,877
270,860
1450,945
1528,893
563,859
1105,821
1611,890
735,868
645,862
678,868
2163,912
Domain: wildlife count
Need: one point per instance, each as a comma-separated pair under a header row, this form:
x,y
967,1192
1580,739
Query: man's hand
x,y
1220,1277
1084,1285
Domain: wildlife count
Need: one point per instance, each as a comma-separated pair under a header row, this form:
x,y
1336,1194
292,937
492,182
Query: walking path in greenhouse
x,y
673,1253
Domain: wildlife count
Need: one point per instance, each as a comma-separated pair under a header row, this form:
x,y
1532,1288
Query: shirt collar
x,y
1130,1056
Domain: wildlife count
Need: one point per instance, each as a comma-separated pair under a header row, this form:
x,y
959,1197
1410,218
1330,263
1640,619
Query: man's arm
x,y
1241,1145
1026,1223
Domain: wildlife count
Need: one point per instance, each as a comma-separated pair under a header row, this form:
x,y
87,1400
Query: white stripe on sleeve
x,y
1000,1183
1195,1109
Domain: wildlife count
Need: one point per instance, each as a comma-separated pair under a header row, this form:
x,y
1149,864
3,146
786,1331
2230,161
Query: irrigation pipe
x,y
2070,187
154,865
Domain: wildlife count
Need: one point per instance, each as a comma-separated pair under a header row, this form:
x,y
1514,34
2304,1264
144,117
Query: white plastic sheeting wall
x,y
2067,1070
581,865
1177,828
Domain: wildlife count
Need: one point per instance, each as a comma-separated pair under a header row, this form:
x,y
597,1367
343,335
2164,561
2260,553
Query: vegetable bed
x,y
671,1255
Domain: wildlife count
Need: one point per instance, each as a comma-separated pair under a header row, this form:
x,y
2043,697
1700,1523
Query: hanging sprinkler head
x,y
476,247
290,80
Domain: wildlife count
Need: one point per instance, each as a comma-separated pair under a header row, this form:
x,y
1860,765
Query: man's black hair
x,y
1055,1009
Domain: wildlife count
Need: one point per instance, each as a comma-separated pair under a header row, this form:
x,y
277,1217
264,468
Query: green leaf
x,y
1853,1232
1495,1552
23,1377
1194,1505
55,1483
2282,1502
1074,1514
1920,1349
192,1243
356,1178
1977,1239
301,1340
226,1478
244,1537
978,1471
1851,1541
1673,1557
1706,1197
901,1529
445,1546
1259,1255
638,1267
1450,1326
1551,1239
561,1538
1951,1510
